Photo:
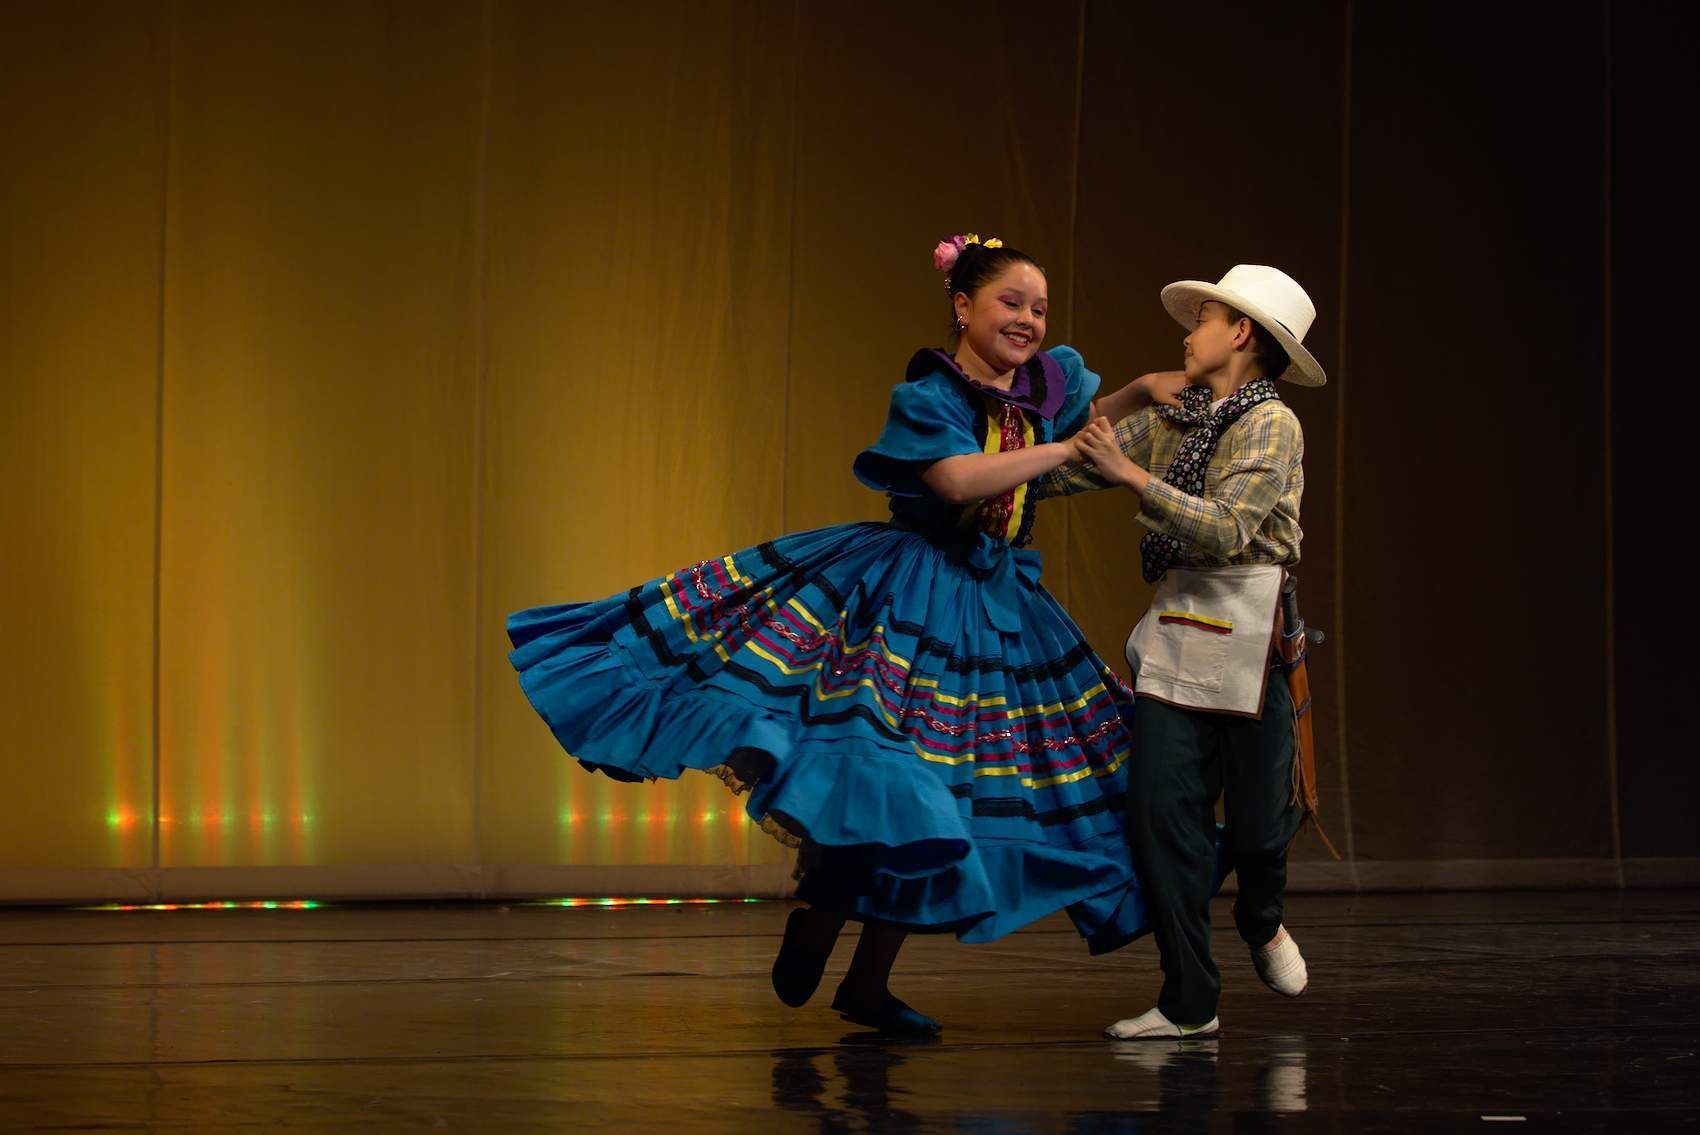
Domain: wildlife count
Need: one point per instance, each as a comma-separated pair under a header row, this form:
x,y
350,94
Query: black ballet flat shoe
x,y
797,970
890,1016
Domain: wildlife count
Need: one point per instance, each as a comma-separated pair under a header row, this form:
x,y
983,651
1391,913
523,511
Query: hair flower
x,y
947,251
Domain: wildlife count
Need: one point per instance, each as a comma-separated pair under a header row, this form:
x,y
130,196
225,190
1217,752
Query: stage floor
x,y
1425,1013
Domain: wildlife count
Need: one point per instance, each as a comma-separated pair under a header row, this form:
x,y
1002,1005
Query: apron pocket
x,y
1188,650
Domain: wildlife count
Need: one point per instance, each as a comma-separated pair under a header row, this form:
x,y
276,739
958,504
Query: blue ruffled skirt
x,y
939,773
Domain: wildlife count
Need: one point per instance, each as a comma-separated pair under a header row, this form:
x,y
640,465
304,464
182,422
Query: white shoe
x,y
1280,964
1154,1026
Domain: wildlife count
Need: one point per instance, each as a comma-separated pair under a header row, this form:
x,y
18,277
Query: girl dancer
x,y
901,700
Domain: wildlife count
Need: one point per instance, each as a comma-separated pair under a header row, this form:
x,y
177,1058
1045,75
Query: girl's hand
x,y
1162,387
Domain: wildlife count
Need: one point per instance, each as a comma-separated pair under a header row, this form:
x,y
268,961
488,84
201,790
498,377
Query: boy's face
x,y
1211,343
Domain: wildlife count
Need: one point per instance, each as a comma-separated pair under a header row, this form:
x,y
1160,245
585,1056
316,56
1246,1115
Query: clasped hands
x,y
1096,443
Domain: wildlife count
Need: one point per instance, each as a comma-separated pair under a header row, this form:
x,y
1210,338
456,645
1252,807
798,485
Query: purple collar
x,y
1039,384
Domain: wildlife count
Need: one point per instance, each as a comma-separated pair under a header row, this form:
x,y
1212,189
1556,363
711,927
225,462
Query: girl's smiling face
x,y
1004,321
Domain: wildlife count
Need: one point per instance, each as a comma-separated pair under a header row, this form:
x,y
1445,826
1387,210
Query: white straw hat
x,y
1272,299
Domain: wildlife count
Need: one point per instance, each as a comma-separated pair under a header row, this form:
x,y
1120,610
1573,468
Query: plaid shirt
x,y
1249,513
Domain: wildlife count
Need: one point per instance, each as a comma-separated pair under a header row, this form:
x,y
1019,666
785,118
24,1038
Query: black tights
x,y
876,951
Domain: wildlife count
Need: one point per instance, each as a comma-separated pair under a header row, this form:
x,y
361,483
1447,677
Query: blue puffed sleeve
x,y
1082,387
929,420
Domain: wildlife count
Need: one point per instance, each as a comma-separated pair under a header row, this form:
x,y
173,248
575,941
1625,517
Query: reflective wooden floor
x,y
1573,1011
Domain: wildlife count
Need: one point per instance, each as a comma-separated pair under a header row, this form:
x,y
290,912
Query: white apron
x,y
1205,642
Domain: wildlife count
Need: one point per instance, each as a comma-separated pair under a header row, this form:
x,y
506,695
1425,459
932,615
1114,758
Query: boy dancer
x,y
1217,467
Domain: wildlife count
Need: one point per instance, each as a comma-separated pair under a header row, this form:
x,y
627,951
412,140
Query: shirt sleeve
x,y
1264,452
1081,387
929,420
1134,433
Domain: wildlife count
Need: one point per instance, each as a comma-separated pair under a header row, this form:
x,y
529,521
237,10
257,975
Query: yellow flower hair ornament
x,y
946,252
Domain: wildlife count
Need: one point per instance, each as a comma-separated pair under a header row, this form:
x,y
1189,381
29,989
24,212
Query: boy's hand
x,y
1098,444
1076,456
1096,424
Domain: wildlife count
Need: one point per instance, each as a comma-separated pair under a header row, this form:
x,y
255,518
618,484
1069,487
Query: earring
x,y
961,326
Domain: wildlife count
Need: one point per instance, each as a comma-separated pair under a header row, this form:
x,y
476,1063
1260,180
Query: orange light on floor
x,y
623,902
265,904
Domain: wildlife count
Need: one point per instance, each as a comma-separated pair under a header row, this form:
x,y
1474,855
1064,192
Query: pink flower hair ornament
x,y
946,252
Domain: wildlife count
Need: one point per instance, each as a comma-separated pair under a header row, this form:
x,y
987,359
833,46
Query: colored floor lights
x,y
310,904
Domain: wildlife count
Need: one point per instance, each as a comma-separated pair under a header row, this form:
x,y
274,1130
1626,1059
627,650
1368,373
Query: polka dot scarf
x,y
1157,551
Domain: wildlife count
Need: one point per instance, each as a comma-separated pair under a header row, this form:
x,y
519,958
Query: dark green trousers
x,y
1184,761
